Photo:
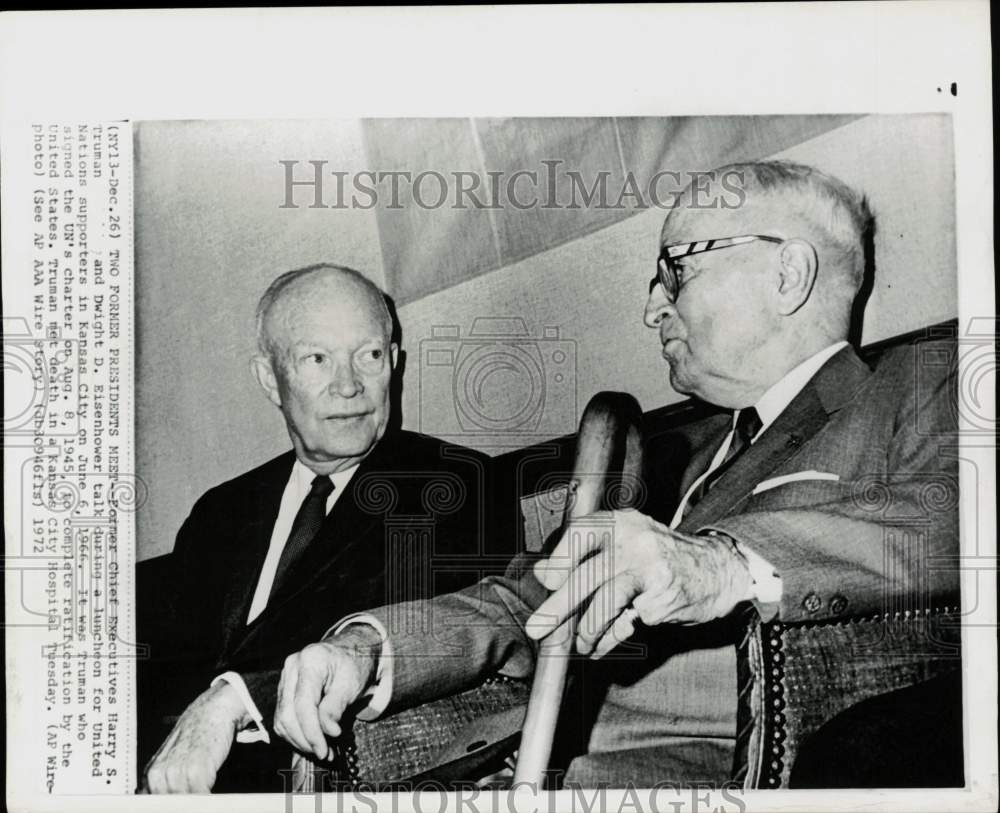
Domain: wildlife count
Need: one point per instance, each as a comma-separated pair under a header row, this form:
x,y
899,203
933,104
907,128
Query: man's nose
x,y
658,305
345,381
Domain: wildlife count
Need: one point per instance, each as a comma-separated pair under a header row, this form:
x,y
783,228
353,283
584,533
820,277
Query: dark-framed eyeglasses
x,y
668,272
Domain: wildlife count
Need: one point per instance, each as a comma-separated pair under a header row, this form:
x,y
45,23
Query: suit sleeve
x,y
455,641
886,539
446,644
263,688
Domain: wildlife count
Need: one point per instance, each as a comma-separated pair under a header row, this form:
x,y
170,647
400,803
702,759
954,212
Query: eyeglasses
x,y
668,271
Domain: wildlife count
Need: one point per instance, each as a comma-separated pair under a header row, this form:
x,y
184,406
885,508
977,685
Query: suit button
x,y
838,604
812,603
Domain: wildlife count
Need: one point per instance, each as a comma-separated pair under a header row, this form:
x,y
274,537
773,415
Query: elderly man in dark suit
x,y
752,306
356,515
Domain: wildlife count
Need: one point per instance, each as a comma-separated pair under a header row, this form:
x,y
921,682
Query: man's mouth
x,y
347,416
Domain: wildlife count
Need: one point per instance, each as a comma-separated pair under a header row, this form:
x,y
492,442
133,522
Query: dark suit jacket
x,y
878,531
412,523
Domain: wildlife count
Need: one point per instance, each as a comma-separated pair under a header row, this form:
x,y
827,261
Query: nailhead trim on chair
x,y
769,755
776,704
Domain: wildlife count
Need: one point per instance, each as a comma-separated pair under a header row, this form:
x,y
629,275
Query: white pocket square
x,y
774,482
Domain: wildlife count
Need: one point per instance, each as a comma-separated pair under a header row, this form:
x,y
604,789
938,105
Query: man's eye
x,y
684,273
315,358
371,356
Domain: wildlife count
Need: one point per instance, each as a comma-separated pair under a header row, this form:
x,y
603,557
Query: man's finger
x,y
335,703
308,694
286,723
621,630
583,581
582,537
176,779
153,782
609,601
200,779
329,717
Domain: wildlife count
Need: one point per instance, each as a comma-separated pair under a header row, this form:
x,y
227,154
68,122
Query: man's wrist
x,y
379,688
742,578
364,645
226,698
249,724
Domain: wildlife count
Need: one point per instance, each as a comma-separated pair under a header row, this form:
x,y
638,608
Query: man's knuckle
x,y
312,656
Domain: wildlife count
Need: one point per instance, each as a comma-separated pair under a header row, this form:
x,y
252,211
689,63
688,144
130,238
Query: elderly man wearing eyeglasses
x,y
752,306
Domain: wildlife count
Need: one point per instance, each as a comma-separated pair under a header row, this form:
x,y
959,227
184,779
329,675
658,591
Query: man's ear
x,y
263,371
393,354
796,275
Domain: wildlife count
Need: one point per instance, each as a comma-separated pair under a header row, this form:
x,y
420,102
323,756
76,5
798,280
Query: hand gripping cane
x,y
610,420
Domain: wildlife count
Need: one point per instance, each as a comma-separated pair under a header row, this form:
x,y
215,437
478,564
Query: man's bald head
x,y
293,290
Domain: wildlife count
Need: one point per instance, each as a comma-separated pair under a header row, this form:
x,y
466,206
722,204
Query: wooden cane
x,y
611,422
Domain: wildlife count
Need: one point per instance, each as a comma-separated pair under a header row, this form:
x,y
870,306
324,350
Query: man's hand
x,y
192,754
616,559
319,683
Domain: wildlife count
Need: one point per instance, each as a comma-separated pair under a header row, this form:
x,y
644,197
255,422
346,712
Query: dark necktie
x,y
304,529
748,424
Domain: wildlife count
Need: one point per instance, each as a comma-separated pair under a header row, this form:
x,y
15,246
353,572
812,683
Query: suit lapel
x,y
809,411
345,531
706,451
251,542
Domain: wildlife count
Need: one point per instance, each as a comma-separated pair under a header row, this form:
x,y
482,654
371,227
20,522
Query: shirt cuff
x,y
767,585
380,692
256,730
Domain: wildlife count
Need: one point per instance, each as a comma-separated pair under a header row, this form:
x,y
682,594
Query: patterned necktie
x,y
748,424
304,529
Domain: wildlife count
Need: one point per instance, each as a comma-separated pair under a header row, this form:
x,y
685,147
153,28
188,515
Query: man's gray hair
x,y
839,217
282,283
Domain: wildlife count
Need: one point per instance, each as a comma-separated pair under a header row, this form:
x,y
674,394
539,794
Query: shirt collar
x,y
303,476
773,402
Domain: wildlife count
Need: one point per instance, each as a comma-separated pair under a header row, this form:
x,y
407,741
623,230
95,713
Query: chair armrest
x,y
793,678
